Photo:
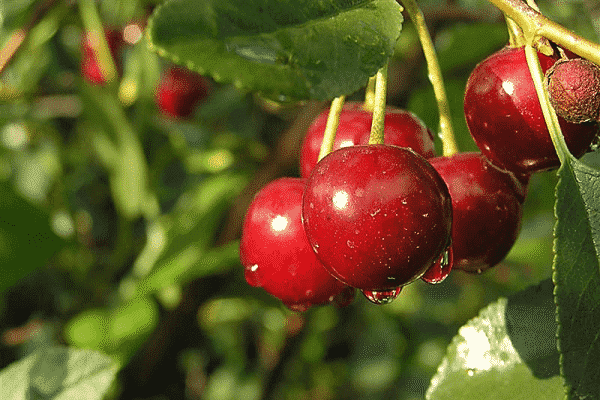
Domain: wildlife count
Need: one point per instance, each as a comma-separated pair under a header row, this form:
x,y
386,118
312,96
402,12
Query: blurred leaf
x,y
261,45
26,239
464,45
119,332
577,275
125,160
190,264
531,326
58,373
481,363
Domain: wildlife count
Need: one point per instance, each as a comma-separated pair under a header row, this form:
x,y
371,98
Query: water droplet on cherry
x,y
440,269
382,296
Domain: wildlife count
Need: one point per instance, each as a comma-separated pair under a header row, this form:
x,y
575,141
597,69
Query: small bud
x,y
574,88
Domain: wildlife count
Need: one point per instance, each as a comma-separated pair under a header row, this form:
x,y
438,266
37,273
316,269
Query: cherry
x,y
505,118
574,88
90,69
276,254
377,216
180,91
486,206
402,128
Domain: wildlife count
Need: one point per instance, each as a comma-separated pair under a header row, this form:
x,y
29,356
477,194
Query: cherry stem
x,y
550,116
534,24
333,120
515,34
435,76
370,95
93,26
378,123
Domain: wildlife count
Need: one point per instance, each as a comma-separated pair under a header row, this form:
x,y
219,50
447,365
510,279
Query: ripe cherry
x,y
90,69
180,91
377,216
486,206
276,254
402,128
505,118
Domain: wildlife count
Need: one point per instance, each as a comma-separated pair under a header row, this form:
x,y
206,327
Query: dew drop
x,y
470,372
383,296
252,276
440,269
350,244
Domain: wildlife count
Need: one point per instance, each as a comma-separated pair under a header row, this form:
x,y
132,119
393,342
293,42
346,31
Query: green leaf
x,y
26,240
577,276
482,363
262,45
58,373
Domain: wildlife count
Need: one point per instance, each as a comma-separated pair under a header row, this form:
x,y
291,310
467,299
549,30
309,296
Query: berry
x,y
574,88
402,128
505,118
90,69
377,216
276,254
486,209
180,91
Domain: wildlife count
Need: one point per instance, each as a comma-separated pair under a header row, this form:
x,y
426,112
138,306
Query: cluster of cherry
x,y
378,217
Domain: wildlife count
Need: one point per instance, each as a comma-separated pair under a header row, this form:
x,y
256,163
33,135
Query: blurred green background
x,y
119,225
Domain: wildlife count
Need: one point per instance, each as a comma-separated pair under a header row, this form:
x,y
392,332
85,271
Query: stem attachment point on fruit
x,y
333,120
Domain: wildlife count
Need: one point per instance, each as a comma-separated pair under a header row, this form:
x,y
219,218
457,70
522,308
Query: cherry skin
x,y
377,216
402,128
505,118
180,91
486,206
276,254
90,69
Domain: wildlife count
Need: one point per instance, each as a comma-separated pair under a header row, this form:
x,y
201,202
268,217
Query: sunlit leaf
x,y
58,373
482,363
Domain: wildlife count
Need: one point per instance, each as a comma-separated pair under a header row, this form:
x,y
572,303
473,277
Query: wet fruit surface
x,y
505,118
402,128
486,204
377,216
276,254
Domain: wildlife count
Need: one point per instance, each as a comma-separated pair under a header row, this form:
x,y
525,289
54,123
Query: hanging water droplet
x,y
470,372
440,269
383,296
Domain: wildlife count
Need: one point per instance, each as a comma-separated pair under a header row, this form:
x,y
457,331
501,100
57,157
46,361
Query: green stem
x,y
370,95
550,117
93,26
515,34
535,24
332,123
378,123
435,76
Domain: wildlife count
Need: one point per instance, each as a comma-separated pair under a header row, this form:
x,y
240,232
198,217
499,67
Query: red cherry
x,y
377,216
180,91
486,206
276,254
402,128
505,118
89,63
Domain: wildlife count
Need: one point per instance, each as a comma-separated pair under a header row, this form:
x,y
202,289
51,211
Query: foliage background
x,y
119,225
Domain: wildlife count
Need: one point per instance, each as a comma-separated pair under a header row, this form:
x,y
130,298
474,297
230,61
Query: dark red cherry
x,y
505,118
377,216
90,69
402,128
276,254
180,91
486,206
